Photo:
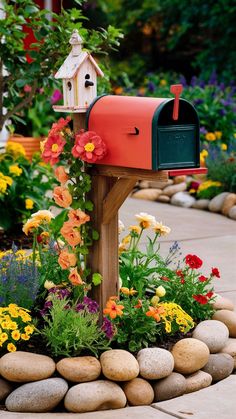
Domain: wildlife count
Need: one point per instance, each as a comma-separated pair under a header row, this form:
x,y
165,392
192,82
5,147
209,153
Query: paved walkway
x,y
213,238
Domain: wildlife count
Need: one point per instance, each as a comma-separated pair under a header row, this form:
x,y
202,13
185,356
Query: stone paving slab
x,y
216,401
142,412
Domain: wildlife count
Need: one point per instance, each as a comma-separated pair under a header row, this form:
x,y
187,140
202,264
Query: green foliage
x,y
222,168
68,332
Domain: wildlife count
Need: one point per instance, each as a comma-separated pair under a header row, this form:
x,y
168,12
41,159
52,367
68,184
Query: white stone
x,y
173,189
182,199
213,333
155,363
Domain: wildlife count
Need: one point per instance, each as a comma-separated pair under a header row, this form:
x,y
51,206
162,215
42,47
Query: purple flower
x,y
203,130
151,87
202,84
227,102
63,293
198,101
213,78
222,112
193,81
107,328
56,96
79,307
91,305
47,305
183,81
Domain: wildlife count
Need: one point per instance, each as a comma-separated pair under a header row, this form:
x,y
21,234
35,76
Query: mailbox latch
x,y
132,131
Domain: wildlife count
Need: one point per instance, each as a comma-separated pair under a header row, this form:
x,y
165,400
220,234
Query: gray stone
x,y
167,388
95,395
197,381
39,396
232,213
213,333
201,204
182,199
155,363
139,392
119,365
216,203
21,367
79,369
219,366
5,388
173,189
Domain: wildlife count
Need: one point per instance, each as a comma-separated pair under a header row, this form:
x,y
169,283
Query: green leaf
x,y
31,9
21,82
95,235
58,221
97,279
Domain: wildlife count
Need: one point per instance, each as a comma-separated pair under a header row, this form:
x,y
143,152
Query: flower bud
x,y
155,300
160,291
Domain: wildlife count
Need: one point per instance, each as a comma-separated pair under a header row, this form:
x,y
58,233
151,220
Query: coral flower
x,y
66,259
61,175
78,217
145,220
30,225
112,309
62,196
53,147
89,147
155,312
71,234
75,277
59,125
139,304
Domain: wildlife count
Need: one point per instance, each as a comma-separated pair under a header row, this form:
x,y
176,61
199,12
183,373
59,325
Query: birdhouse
x,y
79,75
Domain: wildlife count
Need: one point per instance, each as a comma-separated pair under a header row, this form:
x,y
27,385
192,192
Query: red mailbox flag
x,y
176,89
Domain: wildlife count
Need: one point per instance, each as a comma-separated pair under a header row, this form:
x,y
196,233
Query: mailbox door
x,y
175,143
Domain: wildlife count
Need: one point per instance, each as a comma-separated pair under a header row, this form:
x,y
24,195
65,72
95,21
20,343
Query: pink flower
x,y
89,147
78,217
66,259
71,234
27,88
61,175
53,148
56,96
62,196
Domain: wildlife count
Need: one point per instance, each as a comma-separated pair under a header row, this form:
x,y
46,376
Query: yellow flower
x,y
28,329
145,220
122,248
126,239
29,203
5,324
11,347
24,336
160,229
210,136
160,291
42,145
12,325
3,337
192,191
135,229
163,82
155,300
204,153
218,135
208,184
15,149
43,215
14,169
30,225
168,327
3,186
15,334
224,147
127,291
49,284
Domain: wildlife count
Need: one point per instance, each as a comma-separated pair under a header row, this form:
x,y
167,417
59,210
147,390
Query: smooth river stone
x,y
155,363
139,392
197,381
93,396
219,366
213,333
119,365
149,194
37,397
173,189
182,199
5,389
230,348
169,387
190,355
79,369
222,303
232,213
163,198
201,204
216,203
179,179
21,367
229,319
229,202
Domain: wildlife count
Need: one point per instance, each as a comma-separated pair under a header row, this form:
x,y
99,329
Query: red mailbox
x,y
146,133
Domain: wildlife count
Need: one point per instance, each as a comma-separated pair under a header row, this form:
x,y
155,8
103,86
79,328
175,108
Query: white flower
x,y
145,220
43,215
121,227
161,229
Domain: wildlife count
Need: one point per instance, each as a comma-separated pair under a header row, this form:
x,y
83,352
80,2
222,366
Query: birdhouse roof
x,y
72,64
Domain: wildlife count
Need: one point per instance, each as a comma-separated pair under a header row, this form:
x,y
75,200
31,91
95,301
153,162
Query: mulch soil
x,y
17,237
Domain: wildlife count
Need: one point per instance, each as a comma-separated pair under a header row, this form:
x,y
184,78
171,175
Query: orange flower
x,y
30,225
61,175
71,234
155,312
75,277
127,291
112,309
78,217
62,196
139,305
66,259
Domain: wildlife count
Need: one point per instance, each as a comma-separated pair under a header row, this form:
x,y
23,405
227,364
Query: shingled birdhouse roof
x,y
72,63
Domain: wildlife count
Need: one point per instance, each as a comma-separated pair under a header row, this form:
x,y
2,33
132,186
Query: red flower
x,y
193,261
53,148
209,294
89,147
201,299
59,125
164,278
182,281
180,273
202,278
215,272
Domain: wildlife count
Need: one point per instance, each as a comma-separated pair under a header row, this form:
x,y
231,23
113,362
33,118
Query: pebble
x,y
163,198
139,392
144,184
213,333
173,189
79,369
169,387
40,396
182,199
216,203
197,381
22,367
179,179
232,213
157,185
96,395
149,194
222,303
190,355
155,363
230,348
229,202
5,389
201,204
219,366
119,365
229,319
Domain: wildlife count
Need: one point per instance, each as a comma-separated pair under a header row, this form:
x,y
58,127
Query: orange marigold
x,y
113,310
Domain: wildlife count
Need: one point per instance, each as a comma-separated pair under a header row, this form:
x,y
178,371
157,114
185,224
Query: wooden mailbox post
x,y
112,183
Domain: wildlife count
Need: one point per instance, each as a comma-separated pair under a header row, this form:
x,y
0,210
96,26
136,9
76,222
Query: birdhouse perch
x,y
79,75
